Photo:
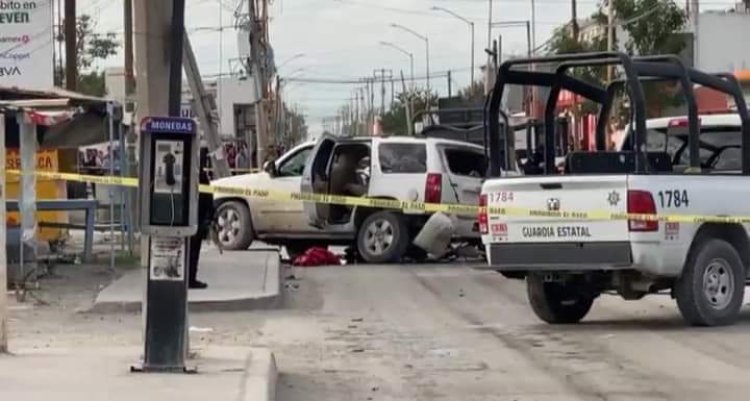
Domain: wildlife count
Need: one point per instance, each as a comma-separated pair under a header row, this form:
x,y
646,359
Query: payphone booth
x,y
169,216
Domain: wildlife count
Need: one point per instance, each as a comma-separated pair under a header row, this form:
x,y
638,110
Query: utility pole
x,y
449,85
610,34
131,138
407,106
176,39
371,121
71,59
205,109
3,255
381,76
257,36
382,92
574,28
152,18
693,15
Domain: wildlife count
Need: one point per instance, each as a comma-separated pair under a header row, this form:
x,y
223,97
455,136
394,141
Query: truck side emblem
x,y
553,204
613,198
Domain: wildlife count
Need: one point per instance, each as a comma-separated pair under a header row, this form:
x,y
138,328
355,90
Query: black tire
x,y
383,238
234,225
711,289
558,303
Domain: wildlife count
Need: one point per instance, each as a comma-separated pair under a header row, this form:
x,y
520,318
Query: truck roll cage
x,y
635,70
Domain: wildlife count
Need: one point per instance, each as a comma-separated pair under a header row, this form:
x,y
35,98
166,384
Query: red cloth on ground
x,y
316,256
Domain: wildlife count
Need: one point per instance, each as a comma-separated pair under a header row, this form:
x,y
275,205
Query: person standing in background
x,y
205,220
243,159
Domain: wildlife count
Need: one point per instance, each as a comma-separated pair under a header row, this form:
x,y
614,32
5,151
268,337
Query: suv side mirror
x,y
270,168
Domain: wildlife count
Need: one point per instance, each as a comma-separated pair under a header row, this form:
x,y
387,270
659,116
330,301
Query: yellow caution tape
x,y
447,208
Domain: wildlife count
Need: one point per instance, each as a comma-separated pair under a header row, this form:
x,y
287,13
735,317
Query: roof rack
x,y
635,69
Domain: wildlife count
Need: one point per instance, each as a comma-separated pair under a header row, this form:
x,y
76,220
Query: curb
x,y
271,298
260,376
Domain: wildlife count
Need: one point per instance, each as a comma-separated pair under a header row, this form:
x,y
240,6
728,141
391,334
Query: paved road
x,y
428,333
450,333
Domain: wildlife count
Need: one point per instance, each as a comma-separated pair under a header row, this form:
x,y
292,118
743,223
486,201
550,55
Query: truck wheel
x,y
383,238
712,287
557,303
234,226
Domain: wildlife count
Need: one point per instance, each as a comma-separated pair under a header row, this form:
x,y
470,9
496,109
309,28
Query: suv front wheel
x,y
383,238
234,226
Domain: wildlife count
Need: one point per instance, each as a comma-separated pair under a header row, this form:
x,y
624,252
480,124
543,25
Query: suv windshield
x,y
720,147
403,158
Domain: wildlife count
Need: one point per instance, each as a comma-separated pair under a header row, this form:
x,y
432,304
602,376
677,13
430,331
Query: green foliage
x,y
475,91
90,46
93,46
654,27
394,121
563,42
92,83
296,129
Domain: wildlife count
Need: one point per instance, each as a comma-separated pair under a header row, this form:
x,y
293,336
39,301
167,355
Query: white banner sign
x,y
26,44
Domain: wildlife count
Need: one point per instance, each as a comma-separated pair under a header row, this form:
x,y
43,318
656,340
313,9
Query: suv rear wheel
x,y
383,238
234,226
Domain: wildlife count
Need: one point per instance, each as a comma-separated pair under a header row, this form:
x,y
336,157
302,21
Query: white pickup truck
x,y
568,261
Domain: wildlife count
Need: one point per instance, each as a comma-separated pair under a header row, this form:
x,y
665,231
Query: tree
x,y
394,121
567,40
475,91
90,47
654,27
296,130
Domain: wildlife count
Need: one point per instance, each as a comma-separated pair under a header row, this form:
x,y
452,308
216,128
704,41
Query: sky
x,y
340,39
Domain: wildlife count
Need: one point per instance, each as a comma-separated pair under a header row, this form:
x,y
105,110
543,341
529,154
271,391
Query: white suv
x,y
396,168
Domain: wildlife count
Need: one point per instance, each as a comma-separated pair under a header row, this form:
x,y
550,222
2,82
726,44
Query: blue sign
x,y
168,125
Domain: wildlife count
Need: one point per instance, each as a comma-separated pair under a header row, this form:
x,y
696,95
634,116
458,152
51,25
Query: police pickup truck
x,y
623,221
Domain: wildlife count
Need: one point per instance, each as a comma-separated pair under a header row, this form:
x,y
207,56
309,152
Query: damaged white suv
x,y
397,168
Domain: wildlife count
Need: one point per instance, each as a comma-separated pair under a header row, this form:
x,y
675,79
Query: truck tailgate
x,y
552,194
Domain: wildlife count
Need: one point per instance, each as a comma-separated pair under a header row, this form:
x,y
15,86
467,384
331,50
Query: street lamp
x,y
411,57
471,25
290,59
427,50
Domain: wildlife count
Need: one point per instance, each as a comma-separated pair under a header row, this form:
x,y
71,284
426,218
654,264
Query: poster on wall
x,y
26,44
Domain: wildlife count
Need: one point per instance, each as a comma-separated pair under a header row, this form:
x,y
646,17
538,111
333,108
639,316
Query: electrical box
x,y
169,177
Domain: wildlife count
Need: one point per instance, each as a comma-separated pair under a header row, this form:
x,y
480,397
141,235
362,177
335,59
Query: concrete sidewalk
x,y
245,374
236,281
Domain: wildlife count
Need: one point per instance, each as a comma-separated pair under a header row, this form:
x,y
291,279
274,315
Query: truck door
x,y
315,179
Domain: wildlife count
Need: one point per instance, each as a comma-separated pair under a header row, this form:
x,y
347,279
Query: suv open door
x,y
315,179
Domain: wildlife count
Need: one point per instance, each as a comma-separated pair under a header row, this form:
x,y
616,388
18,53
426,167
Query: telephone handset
x,y
169,161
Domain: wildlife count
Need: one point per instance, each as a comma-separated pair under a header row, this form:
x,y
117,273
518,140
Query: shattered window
x,y
466,162
403,158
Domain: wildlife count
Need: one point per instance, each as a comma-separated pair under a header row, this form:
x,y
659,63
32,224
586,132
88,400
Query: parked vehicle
x,y
397,168
693,166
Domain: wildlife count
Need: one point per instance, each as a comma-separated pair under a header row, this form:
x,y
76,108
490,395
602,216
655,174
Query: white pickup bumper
x,y
654,258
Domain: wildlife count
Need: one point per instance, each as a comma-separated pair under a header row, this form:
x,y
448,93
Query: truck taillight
x,y
482,218
642,202
433,189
